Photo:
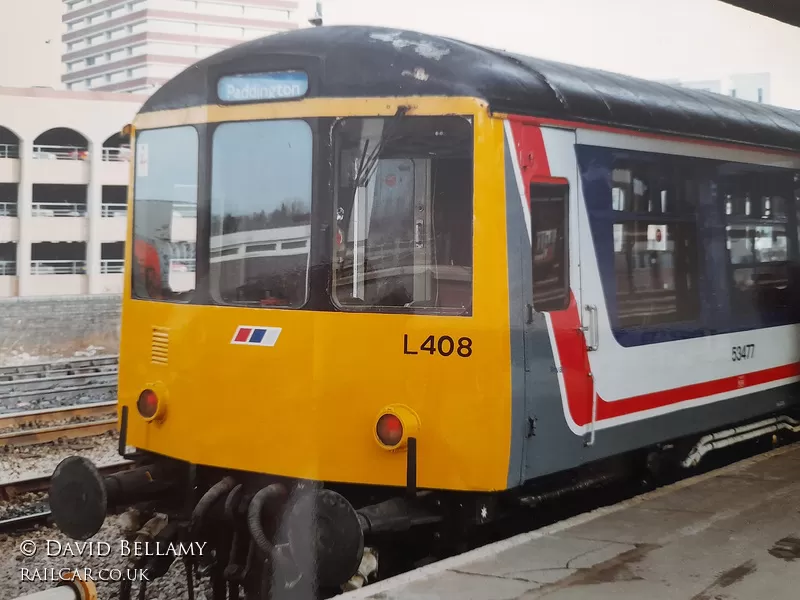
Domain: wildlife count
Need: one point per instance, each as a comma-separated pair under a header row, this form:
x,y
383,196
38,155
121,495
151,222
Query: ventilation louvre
x,y
159,346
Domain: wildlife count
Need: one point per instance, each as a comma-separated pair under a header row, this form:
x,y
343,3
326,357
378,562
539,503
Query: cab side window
x,y
550,246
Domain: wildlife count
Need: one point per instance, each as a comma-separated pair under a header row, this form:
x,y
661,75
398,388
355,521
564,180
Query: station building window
x,y
8,199
59,200
60,143
58,258
9,143
115,198
8,259
112,257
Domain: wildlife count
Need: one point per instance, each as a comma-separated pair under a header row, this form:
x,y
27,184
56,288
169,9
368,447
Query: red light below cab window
x,y
390,430
147,405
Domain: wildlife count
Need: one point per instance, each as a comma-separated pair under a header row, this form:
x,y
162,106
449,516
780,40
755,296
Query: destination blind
x,y
252,87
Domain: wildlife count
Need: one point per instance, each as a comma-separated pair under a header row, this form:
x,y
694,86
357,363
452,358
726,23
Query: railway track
x,y
40,426
67,366
57,377
14,489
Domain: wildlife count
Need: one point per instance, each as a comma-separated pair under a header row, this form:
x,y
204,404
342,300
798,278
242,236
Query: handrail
x,y
8,209
58,209
112,265
45,151
186,265
58,267
8,268
121,154
114,210
9,150
60,152
184,209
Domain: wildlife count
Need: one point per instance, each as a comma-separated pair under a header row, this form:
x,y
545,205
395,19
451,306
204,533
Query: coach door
x,y
549,181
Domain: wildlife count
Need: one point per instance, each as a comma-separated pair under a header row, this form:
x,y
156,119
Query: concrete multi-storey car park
x,y
63,185
63,163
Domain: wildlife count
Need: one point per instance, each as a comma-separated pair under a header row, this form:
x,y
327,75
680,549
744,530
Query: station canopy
x,y
787,11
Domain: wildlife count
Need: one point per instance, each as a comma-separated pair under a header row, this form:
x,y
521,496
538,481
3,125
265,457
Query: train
x,y
435,283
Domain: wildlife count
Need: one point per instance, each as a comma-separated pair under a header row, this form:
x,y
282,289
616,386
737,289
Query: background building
x,y
63,191
30,43
137,45
755,87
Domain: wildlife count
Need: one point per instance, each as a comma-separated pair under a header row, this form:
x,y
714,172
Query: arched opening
x,y
116,148
61,143
9,143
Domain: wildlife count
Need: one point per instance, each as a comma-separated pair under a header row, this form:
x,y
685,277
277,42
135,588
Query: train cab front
x,y
300,347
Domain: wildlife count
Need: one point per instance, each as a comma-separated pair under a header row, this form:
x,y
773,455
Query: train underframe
x,y
255,536
259,537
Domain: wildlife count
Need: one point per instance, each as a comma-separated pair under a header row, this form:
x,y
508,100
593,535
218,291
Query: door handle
x,y
528,313
592,328
588,438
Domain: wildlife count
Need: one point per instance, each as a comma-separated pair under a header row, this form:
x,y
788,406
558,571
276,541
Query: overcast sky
x,y
657,39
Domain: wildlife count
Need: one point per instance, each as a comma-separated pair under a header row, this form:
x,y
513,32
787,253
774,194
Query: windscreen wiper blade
x,y
367,165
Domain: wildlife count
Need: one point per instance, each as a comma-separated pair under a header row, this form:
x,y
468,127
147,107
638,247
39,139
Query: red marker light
x,y
389,430
147,404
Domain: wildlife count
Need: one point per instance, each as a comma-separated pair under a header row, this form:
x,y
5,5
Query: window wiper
x,y
367,164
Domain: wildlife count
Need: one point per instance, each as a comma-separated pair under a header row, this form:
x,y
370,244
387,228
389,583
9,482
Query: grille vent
x,y
159,346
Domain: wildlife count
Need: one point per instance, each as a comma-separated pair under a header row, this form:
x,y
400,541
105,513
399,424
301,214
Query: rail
x,y
121,154
182,265
67,366
49,152
63,378
55,152
8,209
58,267
184,210
109,265
114,210
14,489
32,418
58,209
8,268
23,522
28,437
9,150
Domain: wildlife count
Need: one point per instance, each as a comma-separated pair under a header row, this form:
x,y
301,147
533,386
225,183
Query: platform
x,y
732,534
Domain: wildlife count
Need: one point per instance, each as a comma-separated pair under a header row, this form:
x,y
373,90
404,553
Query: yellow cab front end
x,y
286,287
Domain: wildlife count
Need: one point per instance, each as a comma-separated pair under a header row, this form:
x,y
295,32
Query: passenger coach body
x,y
451,269
671,328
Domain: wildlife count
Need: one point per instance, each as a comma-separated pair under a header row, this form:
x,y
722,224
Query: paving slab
x,y
733,534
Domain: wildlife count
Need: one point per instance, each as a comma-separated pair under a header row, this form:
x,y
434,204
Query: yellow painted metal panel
x,y
307,406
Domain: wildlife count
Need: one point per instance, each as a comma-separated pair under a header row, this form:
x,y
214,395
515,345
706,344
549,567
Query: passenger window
x,y
756,201
550,245
654,264
655,242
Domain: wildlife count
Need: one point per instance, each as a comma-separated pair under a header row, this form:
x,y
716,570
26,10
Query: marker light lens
x,y
390,430
147,405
